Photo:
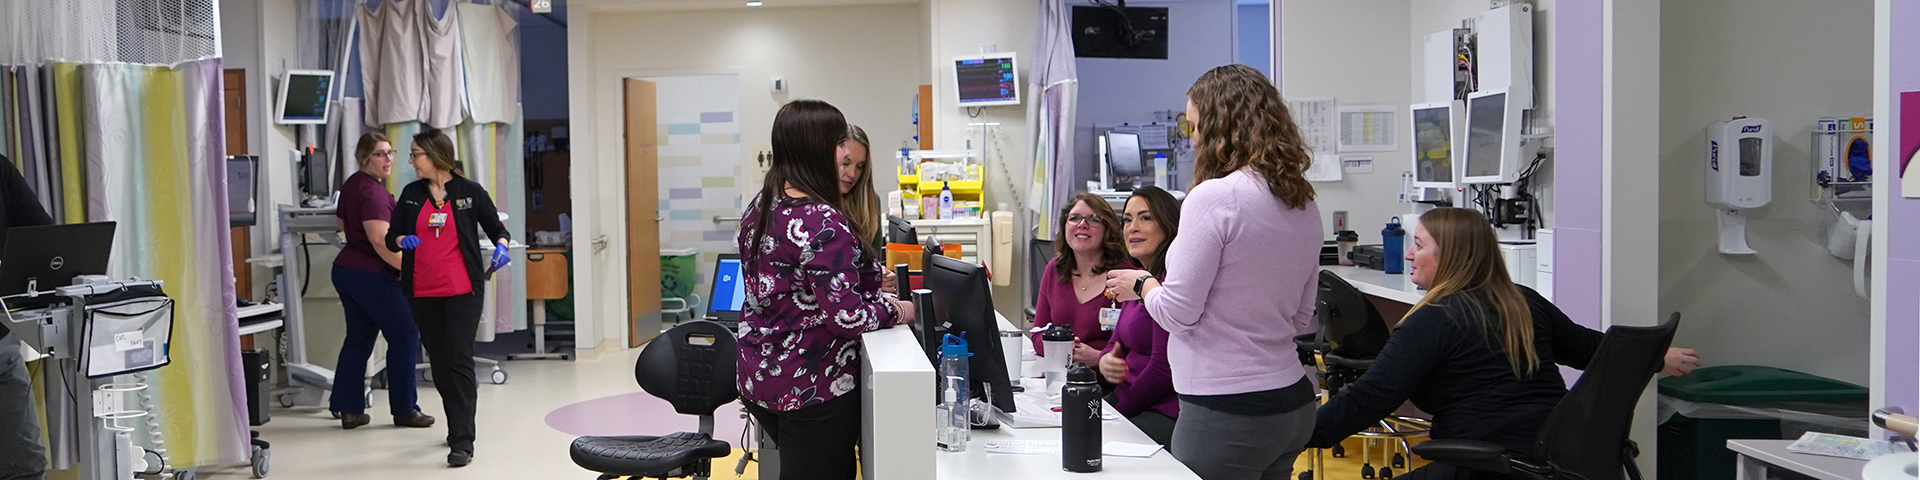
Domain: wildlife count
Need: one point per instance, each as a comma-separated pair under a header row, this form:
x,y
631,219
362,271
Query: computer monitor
x,y
1123,160
43,258
729,292
1433,146
242,190
316,174
963,307
901,231
1494,150
305,97
987,80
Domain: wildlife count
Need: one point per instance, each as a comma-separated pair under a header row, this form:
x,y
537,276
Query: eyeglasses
x,y
382,153
1086,219
416,154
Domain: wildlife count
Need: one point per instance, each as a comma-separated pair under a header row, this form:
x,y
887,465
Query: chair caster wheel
x,y
499,377
1399,461
1339,451
1366,471
286,401
1306,475
1386,473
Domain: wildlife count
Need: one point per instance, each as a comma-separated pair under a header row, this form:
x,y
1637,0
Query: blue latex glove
x,y
409,241
500,256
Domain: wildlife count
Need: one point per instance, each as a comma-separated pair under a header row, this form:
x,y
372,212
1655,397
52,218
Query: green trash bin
x,y
1740,402
678,272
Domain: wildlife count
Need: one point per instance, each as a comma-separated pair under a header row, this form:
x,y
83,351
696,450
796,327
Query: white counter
x,y
1397,287
898,439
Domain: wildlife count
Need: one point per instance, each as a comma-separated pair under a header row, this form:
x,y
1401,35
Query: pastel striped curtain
x,y
151,139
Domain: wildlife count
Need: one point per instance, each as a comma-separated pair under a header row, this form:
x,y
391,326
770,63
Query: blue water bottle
x,y
1393,246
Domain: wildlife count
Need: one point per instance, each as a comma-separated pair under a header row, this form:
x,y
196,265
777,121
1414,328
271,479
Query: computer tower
x,y
254,367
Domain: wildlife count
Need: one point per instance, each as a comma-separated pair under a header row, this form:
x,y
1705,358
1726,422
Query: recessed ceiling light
x,y
754,3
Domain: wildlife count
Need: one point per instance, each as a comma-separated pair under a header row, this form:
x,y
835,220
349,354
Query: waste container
x,y
678,267
1701,411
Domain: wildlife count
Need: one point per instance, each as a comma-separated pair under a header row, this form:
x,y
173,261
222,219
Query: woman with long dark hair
x,y
1477,352
813,286
1135,362
1239,283
438,224
367,278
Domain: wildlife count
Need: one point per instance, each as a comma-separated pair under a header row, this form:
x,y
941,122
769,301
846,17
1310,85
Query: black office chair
x,y
1352,333
1585,438
691,366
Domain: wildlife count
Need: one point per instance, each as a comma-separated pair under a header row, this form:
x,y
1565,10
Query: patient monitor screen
x,y
1486,121
1432,144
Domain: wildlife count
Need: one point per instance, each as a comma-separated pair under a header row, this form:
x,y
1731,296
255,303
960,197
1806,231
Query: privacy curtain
x,y
154,157
1050,118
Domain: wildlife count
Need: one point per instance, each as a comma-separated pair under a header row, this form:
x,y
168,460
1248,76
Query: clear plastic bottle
x,y
952,428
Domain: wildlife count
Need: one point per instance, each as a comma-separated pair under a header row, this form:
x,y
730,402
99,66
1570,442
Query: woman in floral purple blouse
x,y
813,286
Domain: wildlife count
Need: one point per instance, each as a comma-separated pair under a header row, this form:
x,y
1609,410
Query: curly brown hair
x,y
1113,246
1242,122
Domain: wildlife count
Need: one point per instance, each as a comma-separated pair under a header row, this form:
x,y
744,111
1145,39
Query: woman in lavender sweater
x,y
1240,283
813,286
1135,362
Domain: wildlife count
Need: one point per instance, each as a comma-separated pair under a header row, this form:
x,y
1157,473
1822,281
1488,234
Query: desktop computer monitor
x,y
901,231
1123,161
729,293
1433,127
1495,149
963,307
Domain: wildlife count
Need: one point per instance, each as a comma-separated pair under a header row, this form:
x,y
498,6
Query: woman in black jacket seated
x,y
1459,356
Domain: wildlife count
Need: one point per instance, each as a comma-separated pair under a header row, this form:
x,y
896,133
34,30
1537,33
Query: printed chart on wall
x,y
1909,143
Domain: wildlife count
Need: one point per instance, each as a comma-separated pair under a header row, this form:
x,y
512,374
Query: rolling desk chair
x,y
1586,435
1351,335
692,367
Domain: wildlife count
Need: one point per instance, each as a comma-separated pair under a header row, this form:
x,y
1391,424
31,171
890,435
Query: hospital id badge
x,y
437,220
1109,319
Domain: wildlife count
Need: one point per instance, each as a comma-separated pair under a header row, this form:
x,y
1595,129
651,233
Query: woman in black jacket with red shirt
x,y
441,271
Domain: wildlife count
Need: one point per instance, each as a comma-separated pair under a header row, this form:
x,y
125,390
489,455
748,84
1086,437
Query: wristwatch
x,y
1139,284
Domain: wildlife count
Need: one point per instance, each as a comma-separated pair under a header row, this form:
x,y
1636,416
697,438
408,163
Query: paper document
x,y
1325,168
1024,447
1840,446
1368,128
1314,116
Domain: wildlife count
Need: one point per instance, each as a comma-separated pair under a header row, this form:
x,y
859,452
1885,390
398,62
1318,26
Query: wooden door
x,y
643,212
233,95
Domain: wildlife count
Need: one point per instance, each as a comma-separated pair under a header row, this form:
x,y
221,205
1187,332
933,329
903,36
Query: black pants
x,y
815,442
447,328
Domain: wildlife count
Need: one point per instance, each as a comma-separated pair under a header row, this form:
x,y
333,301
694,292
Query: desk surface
x,y
1397,287
977,463
1774,452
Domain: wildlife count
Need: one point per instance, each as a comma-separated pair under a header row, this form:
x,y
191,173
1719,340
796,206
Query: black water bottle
x,y
1080,411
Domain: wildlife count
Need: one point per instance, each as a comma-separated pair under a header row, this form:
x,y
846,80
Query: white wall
x,y
1322,40
1793,303
1358,53
861,59
963,27
1200,37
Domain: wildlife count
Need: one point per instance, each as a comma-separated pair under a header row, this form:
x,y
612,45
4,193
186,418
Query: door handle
x,y
599,243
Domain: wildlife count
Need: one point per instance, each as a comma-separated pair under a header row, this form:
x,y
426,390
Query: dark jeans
x,y
375,306
22,456
447,328
815,442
